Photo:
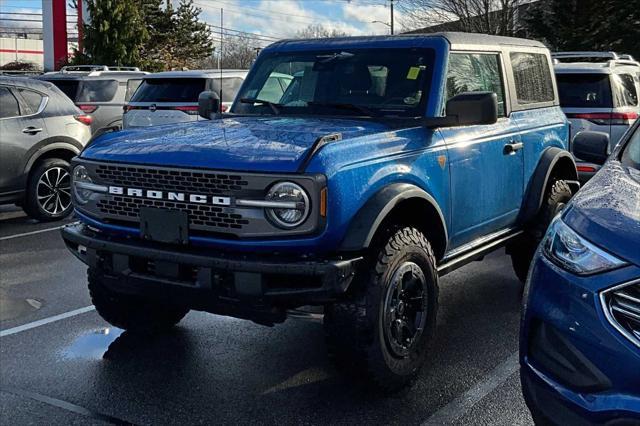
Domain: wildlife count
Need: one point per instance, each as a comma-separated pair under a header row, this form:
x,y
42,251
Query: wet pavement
x,y
218,370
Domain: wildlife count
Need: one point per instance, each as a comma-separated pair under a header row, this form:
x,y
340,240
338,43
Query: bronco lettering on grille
x,y
170,196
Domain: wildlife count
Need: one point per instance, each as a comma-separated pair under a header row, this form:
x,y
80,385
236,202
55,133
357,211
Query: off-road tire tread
x,y
348,333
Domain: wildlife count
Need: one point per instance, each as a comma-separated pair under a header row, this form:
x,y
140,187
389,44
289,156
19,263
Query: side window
x,y
532,77
624,90
8,104
230,87
132,86
272,90
476,72
32,99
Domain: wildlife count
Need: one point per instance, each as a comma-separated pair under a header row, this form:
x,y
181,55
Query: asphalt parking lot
x,y
61,363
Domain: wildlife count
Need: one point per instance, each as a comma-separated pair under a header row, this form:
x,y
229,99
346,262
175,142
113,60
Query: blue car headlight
x,y
564,247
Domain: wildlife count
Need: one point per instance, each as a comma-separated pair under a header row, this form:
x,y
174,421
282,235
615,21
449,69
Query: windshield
x,y
631,154
389,82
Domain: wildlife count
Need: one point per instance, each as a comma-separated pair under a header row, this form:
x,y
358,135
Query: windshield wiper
x,y
352,107
274,107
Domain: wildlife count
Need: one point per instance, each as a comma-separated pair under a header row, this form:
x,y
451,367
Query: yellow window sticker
x,y
413,73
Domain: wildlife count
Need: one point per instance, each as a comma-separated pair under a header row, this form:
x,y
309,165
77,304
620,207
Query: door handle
x,y
512,148
32,130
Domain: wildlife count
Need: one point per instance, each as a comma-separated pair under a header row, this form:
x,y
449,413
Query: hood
x,y
260,144
607,211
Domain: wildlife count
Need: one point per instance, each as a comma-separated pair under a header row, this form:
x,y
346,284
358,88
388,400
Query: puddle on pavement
x,y
92,345
12,308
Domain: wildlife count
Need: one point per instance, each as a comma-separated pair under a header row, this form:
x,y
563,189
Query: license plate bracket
x,y
164,226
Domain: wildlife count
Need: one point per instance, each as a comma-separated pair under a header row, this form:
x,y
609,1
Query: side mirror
x,y
471,108
591,147
208,104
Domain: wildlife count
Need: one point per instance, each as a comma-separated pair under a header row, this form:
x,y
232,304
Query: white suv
x,y
172,96
599,91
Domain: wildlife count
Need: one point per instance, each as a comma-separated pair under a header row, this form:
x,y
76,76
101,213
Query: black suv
x,y
98,90
41,130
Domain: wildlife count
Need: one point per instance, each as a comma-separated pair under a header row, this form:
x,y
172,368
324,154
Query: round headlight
x,y
297,200
80,176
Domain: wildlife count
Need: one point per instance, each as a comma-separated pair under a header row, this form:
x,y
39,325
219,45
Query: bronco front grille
x,y
199,214
621,305
170,180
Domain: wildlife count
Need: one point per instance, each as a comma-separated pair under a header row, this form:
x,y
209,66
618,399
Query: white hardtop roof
x,y
198,74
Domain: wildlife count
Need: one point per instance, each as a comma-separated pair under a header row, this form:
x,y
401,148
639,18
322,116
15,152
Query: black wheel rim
x,y
405,309
54,191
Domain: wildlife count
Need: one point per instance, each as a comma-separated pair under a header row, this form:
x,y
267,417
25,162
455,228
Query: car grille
x,y
170,180
202,217
622,308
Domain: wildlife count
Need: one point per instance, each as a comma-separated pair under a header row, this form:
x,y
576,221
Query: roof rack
x,y
585,55
96,69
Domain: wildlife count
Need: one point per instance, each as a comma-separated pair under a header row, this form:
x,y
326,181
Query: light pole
x,y
384,23
390,25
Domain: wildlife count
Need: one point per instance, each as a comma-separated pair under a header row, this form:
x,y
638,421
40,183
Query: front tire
x,y
384,330
522,252
48,195
132,312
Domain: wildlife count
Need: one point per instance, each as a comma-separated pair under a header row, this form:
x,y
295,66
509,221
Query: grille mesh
x,y
624,307
170,180
199,214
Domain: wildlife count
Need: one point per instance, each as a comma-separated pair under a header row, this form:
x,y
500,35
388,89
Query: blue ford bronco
x,y
377,166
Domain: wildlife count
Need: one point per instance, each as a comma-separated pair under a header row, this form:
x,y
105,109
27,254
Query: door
x,y
21,128
486,162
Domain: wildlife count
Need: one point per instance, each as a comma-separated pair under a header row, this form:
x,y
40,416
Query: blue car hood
x,y
260,144
607,211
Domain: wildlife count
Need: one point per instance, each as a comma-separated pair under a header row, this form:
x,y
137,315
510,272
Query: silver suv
x,y
599,91
172,96
41,130
98,90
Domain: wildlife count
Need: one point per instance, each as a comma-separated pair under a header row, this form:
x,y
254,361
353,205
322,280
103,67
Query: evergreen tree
x,y
116,34
586,25
192,38
157,51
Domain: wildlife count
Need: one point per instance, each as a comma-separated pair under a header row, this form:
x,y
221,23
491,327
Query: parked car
x,y
355,192
99,91
580,340
598,93
40,131
172,96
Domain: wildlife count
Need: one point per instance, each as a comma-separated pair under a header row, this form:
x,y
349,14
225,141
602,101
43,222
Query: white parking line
x,y
24,234
45,321
459,406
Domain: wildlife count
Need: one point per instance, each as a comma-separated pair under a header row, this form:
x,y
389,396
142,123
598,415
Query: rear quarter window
x,y
169,90
32,99
584,90
532,78
624,90
230,87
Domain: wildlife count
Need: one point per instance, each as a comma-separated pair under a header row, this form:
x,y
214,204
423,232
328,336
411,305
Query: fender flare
x,y
368,219
552,161
60,143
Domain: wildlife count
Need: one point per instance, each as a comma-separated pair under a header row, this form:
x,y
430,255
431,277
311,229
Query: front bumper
x,y
576,368
240,285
